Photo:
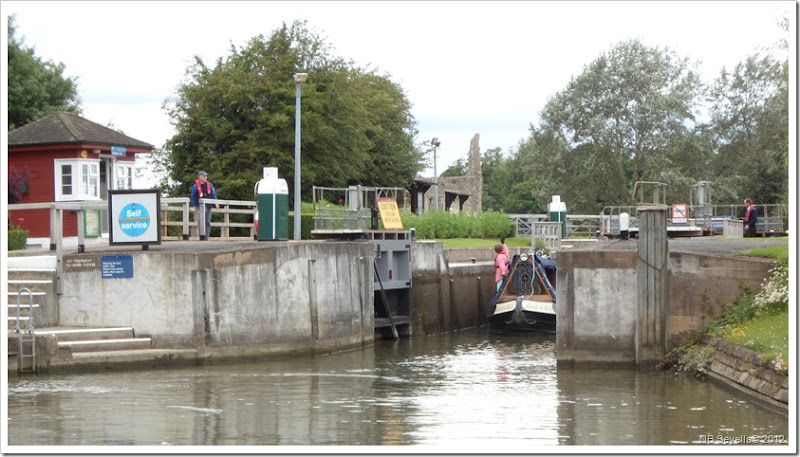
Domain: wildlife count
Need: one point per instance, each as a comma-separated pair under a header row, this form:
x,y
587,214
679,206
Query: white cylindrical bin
x,y
624,225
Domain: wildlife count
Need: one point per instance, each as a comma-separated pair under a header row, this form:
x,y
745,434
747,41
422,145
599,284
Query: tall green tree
x,y
36,87
749,112
620,121
238,116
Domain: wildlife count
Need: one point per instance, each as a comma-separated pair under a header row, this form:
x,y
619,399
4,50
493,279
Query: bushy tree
x,y
36,87
622,120
238,116
749,118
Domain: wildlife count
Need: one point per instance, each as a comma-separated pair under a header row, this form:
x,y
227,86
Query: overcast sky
x,y
466,67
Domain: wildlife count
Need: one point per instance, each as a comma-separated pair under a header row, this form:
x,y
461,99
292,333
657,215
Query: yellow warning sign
x,y
390,215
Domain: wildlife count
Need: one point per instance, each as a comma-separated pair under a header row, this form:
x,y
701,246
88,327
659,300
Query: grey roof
x,y
68,128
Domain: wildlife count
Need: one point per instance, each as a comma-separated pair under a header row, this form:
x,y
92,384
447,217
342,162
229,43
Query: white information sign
x,y
134,216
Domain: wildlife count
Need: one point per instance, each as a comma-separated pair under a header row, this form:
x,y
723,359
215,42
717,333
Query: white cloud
x,y
467,67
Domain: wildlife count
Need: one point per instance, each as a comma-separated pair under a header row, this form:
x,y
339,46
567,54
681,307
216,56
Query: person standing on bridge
x,y
203,188
500,265
750,219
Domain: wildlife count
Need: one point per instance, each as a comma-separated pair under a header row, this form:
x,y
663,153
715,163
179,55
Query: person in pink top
x,y
505,248
500,265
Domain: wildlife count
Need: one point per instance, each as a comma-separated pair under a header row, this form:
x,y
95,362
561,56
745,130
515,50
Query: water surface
x,y
465,391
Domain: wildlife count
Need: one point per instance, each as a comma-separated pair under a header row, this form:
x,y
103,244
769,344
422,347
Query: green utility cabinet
x,y
272,212
558,213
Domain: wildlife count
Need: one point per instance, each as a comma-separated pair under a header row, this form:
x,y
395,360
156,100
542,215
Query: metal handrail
x,y
27,338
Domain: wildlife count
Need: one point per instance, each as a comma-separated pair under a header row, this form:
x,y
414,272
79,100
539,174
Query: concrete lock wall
x,y
597,308
274,298
449,294
701,284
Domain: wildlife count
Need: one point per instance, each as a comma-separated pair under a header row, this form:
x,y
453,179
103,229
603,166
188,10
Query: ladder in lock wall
x,y
26,337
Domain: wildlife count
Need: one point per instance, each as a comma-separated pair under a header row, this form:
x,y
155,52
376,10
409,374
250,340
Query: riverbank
x,y
747,346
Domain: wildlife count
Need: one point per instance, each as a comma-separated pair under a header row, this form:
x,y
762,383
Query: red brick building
x,y
64,157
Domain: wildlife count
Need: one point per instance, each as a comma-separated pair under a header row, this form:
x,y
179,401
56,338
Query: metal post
x,y
299,79
435,183
435,143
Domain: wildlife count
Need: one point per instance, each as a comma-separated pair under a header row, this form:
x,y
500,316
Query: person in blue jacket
x,y
203,188
750,219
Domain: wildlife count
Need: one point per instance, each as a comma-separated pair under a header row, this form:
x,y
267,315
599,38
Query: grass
x,y
462,243
767,334
749,323
780,253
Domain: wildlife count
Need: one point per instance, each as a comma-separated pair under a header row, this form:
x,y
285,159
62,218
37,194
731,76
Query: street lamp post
x,y
299,79
435,143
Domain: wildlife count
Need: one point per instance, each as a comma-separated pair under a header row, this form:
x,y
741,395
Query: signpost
x,y
390,214
134,217
679,213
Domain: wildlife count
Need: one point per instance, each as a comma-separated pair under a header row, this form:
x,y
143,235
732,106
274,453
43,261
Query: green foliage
x,y
458,243
759,321
749,113
767,334
781,252
237,116
17,239
620,121
36,87
306,225
446,224
691,358
459,168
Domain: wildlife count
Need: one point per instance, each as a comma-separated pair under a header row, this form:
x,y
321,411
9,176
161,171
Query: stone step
x,y
35,274
107,345
84,334
34,285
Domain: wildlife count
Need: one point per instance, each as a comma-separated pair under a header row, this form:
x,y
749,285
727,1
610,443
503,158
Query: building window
x,y
124,176
77,179
66,179
90,178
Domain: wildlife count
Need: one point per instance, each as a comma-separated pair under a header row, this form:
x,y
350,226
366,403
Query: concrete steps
x,y
62,349
97,339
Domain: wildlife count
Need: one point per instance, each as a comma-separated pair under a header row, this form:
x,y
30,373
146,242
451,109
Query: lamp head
x,y
300,77
435,142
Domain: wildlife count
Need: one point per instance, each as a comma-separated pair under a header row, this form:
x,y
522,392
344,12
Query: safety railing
x,y
548,232
354,207
578,225
186,221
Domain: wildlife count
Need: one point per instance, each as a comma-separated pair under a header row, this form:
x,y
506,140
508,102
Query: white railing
x,y
733,229
577,224
178,205
549,232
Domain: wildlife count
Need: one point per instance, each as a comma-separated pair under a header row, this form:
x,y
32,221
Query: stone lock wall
x,y
768,381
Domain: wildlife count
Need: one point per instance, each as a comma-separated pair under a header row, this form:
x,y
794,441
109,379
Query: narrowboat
x,y
526,300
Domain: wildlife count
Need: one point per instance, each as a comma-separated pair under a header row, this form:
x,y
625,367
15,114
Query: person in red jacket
x,y
203,188
750,219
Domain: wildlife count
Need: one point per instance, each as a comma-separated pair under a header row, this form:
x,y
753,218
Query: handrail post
x,y
201,218
54,224
227,219
81,230
186,220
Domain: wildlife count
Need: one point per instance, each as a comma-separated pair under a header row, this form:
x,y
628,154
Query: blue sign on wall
x,y
116,266
118,151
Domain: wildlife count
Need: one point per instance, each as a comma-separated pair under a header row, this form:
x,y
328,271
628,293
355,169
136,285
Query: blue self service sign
x,y
116,266
135,216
